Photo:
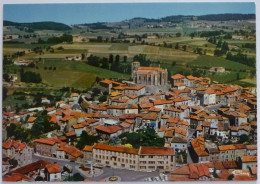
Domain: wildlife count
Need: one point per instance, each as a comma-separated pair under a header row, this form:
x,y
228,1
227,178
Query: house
x,y
135,90
22,62
145,158
73,58
227,152
47,146
18,151
107,132
177,80
35,171
199,153
151,119
249,161
78,128
156,158
16,177
115,156
45,101
217,69
214,155
30,122
53,172
251,150
179,143
69,152
87,153
107,85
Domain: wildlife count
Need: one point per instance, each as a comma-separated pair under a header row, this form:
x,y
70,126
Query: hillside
x,y
39,25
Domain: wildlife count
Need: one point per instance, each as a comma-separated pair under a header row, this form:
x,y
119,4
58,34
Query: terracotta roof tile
x,y
203,170
115,148
249,159
184,170
15,177
194,172
53,168
198,145
177,76
230,164
88,148
156,151
108,129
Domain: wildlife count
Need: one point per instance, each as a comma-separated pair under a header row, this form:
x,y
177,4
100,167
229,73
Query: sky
x,y
111,12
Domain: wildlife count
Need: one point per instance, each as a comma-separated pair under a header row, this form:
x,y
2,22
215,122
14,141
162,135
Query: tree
x,y
178,34
142,59
102,98
243,138
146,137
82,56
177,46
117,59
104,63
93,60
6,77
111,58
86,139
4,93
184,47
125,59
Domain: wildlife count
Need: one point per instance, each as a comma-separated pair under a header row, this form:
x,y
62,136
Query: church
x,y
155,76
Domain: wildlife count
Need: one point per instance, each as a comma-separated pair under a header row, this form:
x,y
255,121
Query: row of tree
x,y
64,38
29,76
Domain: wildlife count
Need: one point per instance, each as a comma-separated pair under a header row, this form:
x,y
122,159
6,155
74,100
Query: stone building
x,y
149,75
18,151
145,158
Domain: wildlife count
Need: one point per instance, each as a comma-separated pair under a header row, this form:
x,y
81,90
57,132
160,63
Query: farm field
x,y
210,61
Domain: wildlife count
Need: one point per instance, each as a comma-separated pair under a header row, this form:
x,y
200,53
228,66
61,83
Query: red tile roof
x,y
183,170
12,143
53,168
203,170
108,129
115,148
41,164
156,150
71,150
198,145
249,159
14,177
177,76
88,148
194,172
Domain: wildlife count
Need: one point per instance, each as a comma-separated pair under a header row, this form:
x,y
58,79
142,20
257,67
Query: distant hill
x,y
140,21
227,16
39,25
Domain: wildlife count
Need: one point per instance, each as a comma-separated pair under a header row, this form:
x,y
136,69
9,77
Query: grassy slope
x,y
218,62
73,73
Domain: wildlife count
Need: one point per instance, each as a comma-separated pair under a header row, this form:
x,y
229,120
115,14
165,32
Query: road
x,y
125,175
215,107
60,162
190,134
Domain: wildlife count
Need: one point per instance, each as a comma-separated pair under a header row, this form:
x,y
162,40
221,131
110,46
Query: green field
x,y
72,73
211,61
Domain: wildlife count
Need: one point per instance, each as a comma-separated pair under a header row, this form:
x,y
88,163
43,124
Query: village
x,y
190,129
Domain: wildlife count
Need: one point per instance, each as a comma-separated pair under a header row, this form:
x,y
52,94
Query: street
x,y
125,175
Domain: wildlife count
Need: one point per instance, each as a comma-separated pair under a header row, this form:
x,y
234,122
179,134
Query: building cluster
x,y
192,116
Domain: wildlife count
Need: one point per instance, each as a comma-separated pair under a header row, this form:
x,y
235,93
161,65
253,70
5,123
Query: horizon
x,y
82,13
